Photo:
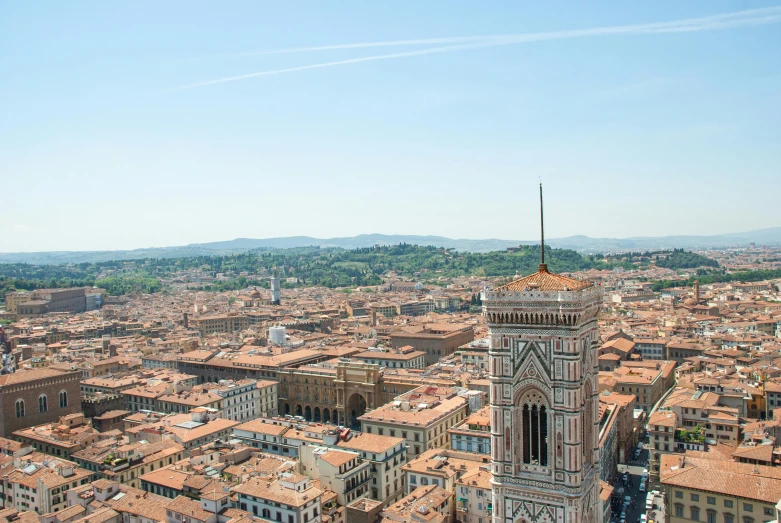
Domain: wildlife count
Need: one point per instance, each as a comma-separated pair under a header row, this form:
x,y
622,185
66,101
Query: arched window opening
x,y
543,436
19,408
43,403
534,432
588,424
63,399
526,435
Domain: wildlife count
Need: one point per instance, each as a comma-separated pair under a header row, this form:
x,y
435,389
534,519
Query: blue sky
x,y
108,140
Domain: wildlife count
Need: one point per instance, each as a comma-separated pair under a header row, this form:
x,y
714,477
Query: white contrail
x,y
734,19
432,50
750,17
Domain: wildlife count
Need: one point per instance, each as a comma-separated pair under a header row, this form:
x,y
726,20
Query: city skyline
x,y
153,126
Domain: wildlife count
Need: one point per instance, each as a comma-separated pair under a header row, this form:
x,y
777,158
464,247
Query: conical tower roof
x,y
544,280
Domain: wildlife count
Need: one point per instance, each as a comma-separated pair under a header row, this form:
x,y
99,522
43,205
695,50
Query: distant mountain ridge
x,y
583,244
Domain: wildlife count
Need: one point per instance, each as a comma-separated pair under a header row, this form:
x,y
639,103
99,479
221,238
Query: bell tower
x,y
544,397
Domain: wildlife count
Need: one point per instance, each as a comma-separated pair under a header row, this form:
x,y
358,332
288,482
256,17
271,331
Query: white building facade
x,y
241,399
544,399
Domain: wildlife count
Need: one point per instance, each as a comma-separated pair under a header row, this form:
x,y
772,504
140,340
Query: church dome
x,y
689,302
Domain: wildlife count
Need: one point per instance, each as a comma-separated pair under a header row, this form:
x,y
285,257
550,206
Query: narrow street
x,y
637,506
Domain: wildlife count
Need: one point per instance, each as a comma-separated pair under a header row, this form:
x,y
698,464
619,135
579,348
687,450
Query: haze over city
x,y
148,124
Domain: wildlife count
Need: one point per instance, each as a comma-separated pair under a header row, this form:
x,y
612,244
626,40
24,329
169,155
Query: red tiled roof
x,y
542,280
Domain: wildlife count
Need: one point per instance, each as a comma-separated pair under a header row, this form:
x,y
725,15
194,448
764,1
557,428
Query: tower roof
x,y
543,280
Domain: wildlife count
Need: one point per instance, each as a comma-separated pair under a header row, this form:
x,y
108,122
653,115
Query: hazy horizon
x,y
548,238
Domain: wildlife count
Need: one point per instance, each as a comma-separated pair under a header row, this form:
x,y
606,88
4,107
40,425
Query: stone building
x,y
422,416
290,498
336,394
699,489
36,396
437,341
42,301
544,402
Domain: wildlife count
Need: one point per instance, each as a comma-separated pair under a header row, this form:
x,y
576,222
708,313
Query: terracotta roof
x,y
188,507
275,491
140,503
758,452
25,375
756,482
337,458
663,418
542,280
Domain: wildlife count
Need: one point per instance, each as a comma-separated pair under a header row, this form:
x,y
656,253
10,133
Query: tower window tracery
x,y
533,434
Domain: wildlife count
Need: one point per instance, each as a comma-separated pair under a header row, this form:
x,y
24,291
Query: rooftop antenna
x,y
543,267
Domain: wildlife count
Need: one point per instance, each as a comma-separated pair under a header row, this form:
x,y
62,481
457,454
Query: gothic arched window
x,y
43,403
534,430
588,423
19,408
63,399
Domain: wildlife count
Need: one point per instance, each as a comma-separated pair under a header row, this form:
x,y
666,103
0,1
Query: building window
x,y
748,507
679,494
43,403
695,512
729,518
711,516
695,497
679,510
728,503
535,434
63,399
711,500
19,408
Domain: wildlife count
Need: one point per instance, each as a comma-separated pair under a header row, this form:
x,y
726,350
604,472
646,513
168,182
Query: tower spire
x,y
543,267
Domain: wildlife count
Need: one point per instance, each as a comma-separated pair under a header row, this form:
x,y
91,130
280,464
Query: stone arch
x,y
308,413
326,416
286,409
299,410
316,414
355,407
